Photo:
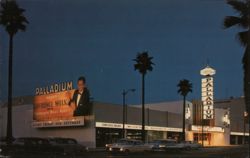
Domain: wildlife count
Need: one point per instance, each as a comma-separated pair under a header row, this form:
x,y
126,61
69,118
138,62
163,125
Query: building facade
x,y
163,120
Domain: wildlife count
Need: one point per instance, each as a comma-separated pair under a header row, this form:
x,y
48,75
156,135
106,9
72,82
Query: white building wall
x,y
22,127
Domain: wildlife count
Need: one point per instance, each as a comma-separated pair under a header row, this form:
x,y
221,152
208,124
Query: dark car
x,y
4,150
69,146
34,145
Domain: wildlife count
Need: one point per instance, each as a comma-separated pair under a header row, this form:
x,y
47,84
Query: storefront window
x,y
206,138
232,139
174,135
107,136
153,135
134,134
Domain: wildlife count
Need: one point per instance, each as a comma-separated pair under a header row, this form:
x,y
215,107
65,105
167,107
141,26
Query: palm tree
x,y
184,88
242,21
13,20
143,65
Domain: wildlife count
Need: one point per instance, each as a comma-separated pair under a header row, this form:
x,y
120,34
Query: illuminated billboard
x,y
207,92
61,105
207,97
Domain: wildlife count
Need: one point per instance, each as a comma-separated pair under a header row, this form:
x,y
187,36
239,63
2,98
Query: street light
x,y
124,93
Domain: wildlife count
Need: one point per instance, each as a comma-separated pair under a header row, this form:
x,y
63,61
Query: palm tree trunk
x,y
246,65
9,117
183,118
143,108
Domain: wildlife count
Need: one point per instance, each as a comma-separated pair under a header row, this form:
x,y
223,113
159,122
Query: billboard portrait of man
x,y
80,100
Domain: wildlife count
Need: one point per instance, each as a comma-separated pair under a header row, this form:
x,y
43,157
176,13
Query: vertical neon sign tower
x,y
207,92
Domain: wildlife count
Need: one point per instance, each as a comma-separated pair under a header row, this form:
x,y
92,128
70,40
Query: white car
x,y
162,144
129,145
193,145
188,145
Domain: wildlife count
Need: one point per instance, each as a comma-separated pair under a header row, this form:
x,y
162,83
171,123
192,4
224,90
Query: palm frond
x,y
143,62
230,21
239,6
185,86
12,18
243,37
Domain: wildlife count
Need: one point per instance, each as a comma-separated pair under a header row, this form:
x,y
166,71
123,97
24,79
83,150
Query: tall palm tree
x,y
143,65
185,86
242,7
13,20
242,21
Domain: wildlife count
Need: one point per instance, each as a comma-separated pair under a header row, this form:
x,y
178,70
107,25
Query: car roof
x,y
34,138
164,140
130,140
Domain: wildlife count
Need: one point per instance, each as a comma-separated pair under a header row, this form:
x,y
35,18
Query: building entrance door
x,y
205,139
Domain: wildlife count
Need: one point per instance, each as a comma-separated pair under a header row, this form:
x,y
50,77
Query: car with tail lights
x,y
128,146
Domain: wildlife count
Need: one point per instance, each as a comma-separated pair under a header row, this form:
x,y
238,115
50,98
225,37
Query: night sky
x,y
99,38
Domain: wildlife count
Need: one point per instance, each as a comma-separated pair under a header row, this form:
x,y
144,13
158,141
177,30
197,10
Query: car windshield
x,y
123,141
128,142
163,141
155,142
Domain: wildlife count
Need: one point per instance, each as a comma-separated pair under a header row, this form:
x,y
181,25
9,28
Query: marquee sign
x,y
207,92
59,123
207,129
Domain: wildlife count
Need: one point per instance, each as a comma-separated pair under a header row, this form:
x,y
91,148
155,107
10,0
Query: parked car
x,y
33,145
190,145
162,144
129,145
69,146
187,145
1,154
107,146
4,156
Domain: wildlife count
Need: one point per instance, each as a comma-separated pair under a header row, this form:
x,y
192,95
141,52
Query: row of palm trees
x,y
13,20
143,65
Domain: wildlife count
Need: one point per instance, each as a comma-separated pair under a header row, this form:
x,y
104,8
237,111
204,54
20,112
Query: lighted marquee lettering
x,y
54,88
207,97
52,106
188,112
207,128
58,123
207,92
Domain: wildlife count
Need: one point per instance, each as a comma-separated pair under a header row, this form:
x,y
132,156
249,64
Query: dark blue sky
x,y
99,39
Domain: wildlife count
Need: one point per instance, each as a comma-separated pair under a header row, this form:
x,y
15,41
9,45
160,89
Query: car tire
x,y
126,152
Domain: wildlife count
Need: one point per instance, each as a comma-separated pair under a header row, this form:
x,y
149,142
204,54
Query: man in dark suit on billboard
x,y
80,99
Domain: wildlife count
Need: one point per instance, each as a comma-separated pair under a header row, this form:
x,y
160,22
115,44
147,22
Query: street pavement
x,y
211,152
